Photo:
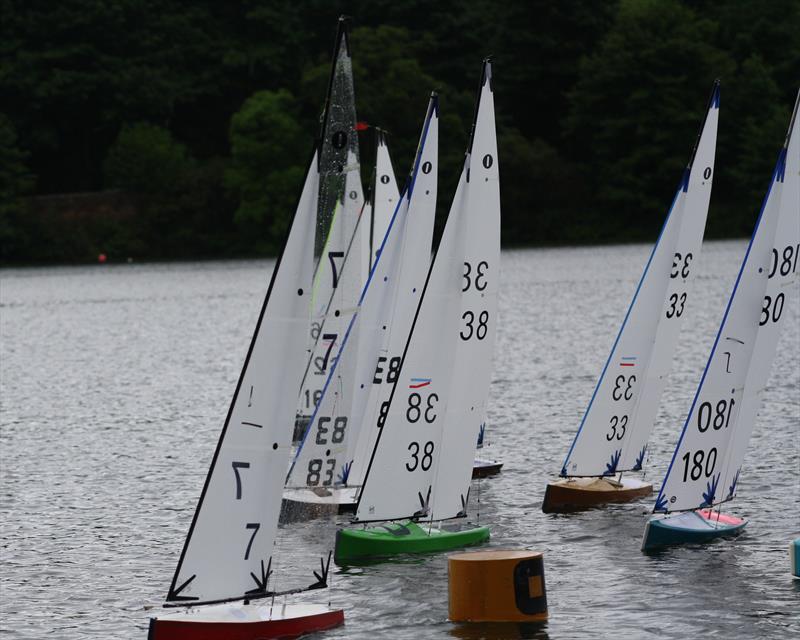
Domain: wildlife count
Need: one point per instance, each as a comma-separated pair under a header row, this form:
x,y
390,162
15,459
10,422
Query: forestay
x,y
228,549
400,477
704,470
619,419
326,453
341,200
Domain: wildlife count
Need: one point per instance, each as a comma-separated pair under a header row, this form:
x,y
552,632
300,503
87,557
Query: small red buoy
x,y
101,258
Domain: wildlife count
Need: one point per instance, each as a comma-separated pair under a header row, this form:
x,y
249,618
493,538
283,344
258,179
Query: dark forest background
x,y
181,128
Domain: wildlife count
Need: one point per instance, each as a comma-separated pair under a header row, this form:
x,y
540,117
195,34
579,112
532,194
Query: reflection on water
x,y
116,381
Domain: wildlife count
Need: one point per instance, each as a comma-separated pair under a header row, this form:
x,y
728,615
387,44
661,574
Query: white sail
x,y
400,477
326,453
705,467
385,196
619,419
472,367
341,201
228,549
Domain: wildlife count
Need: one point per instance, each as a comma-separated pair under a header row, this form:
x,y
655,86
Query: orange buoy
x,y
101,258
497,586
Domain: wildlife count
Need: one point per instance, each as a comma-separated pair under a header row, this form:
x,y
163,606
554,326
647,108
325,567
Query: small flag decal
x,y
417,383
628,361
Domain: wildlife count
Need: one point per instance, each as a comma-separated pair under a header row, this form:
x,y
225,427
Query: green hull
x,y
396,538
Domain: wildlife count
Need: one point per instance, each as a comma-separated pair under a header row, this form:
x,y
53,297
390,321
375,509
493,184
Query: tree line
x,y
201,114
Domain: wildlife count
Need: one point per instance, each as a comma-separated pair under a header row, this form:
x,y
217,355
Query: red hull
x,y
262,630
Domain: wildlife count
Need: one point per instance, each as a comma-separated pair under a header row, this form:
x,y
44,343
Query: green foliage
x,y
146,159
267,148
15,180
203,113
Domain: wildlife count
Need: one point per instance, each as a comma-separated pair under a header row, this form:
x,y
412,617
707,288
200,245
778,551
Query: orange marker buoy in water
x,y
497,586
101,258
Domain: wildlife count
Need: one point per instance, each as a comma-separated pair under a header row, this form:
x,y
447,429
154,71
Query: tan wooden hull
x,y
574,494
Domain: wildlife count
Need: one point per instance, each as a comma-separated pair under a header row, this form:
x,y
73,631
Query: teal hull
x,y
399,538
692,527
794,554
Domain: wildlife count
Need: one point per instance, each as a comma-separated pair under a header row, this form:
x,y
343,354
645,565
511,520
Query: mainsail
x,y
704,470
405,460
326,453
228,549
619,419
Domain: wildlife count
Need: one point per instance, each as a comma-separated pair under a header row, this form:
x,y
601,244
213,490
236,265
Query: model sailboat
x,y
704,471
223,575
421,464
613,435
322,472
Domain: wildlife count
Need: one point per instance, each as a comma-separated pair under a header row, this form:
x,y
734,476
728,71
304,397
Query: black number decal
x,y
697,464
426,167
329,472
317,395
391,374
255,526
427,456
614,423
382,414
314,469
777,309
483,324
721,418
236,466
677,269
378,370
339,425
487,161
332,338
674,301
414,410
414,449
786,260
480,275
321,430
623,388
707,173
428,451
334,270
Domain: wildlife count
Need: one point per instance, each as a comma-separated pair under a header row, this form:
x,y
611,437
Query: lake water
x,y
116,381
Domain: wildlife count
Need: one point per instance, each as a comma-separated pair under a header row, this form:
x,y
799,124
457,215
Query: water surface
x,y
116,381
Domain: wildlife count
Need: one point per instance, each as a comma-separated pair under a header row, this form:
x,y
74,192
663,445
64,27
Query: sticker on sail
x,y
418,383
628,361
